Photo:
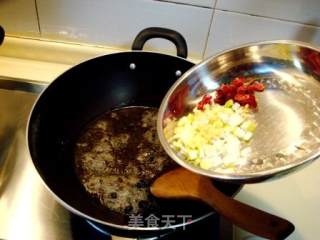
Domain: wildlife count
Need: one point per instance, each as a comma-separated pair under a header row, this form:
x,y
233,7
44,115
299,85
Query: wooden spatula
x,y
181,183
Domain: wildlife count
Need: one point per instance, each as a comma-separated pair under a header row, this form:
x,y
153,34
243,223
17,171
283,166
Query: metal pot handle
x,y
1,35
157,32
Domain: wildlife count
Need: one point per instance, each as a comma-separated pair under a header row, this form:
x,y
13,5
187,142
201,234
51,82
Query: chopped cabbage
x,y
216,137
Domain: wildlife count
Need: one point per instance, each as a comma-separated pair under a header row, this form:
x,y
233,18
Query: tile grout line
x,y
267,17
38,18
209,31
184,4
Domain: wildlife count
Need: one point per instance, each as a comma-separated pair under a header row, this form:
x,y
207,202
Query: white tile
x,y
116,23
202,3
233,29
19,17
304,11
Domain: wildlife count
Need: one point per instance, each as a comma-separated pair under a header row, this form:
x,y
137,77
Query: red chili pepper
x,y
252,101
258,87
240,89
206,99
244,99
241,98
244,90
200,106
239,81
224,88
220,97
229,91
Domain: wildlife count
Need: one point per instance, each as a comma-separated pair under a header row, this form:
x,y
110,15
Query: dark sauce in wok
x,y
118,155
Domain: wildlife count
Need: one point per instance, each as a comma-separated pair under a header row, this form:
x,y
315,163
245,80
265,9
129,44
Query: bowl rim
x,y
232,177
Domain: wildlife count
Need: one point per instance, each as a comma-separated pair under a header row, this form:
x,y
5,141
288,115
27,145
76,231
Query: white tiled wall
x,y
116,23
19,17
231,29
304,11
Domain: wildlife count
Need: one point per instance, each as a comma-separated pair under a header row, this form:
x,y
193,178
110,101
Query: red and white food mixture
x,y
217,133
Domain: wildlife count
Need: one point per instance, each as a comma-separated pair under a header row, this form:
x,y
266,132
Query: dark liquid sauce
x,y
118,155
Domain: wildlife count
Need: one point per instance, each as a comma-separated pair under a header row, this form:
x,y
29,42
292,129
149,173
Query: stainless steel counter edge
x,y
22,85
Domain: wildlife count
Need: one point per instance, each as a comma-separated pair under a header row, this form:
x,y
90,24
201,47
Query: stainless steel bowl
x,y
288,132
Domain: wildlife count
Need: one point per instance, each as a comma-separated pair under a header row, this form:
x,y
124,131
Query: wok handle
x,y
248,218
157,32
1,35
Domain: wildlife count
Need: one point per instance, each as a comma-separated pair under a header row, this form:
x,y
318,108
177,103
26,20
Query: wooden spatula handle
x,y
249,218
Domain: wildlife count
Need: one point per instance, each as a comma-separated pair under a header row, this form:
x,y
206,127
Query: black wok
x,y
87,90
1,35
